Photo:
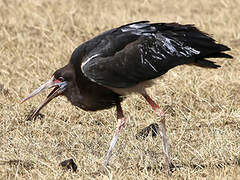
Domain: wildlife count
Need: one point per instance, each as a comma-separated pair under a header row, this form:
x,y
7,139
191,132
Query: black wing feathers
x,y
141,51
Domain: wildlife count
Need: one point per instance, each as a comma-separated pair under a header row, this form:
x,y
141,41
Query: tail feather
x,y
206,63
218,51
219,55
222,47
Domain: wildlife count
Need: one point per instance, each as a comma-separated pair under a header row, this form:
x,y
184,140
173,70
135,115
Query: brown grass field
x,y
202,105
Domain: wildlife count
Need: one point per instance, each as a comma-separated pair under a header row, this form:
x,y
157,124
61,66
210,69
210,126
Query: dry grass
x,y
203,106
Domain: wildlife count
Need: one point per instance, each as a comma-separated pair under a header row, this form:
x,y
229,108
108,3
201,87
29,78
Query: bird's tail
x,y
202,62
205,63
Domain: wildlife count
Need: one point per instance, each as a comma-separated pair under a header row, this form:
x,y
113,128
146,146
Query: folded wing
x,y
130,54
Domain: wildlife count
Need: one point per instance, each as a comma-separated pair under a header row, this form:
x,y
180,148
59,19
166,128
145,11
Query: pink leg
x,y
160,113
121,121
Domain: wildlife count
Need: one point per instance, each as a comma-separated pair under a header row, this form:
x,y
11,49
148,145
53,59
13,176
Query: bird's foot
x,y
170,168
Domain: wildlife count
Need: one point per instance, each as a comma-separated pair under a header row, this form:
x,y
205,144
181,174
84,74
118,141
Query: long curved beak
x,y
60,87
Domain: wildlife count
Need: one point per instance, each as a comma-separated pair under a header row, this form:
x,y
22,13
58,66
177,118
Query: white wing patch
x,y
169,44
87,61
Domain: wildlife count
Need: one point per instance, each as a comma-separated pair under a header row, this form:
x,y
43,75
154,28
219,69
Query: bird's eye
x,y
61,79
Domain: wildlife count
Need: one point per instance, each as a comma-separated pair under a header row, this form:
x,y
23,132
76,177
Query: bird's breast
x,y
93,98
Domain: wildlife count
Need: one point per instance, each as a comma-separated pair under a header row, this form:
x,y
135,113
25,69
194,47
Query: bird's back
x,y
125,56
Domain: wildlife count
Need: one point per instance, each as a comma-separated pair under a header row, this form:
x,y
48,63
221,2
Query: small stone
x,y
69,164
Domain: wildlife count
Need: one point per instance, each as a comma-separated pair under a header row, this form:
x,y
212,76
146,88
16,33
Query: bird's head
x,y
61,80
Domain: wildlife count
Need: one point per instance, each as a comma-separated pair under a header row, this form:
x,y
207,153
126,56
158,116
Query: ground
x,y
202,105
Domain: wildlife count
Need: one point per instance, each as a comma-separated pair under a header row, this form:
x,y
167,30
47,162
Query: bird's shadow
x,y
154,128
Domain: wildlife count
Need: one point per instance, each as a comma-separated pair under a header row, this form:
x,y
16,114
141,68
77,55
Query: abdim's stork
x,y
123,60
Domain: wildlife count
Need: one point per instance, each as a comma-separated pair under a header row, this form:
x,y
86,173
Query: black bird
x,y
124,60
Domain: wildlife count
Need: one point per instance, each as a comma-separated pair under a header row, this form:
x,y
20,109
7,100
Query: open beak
x,y
58,90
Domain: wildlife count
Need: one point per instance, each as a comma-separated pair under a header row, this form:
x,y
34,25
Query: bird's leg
x,y
160,113
121,121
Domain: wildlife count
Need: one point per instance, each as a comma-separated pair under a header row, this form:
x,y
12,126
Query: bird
x,y
103,71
